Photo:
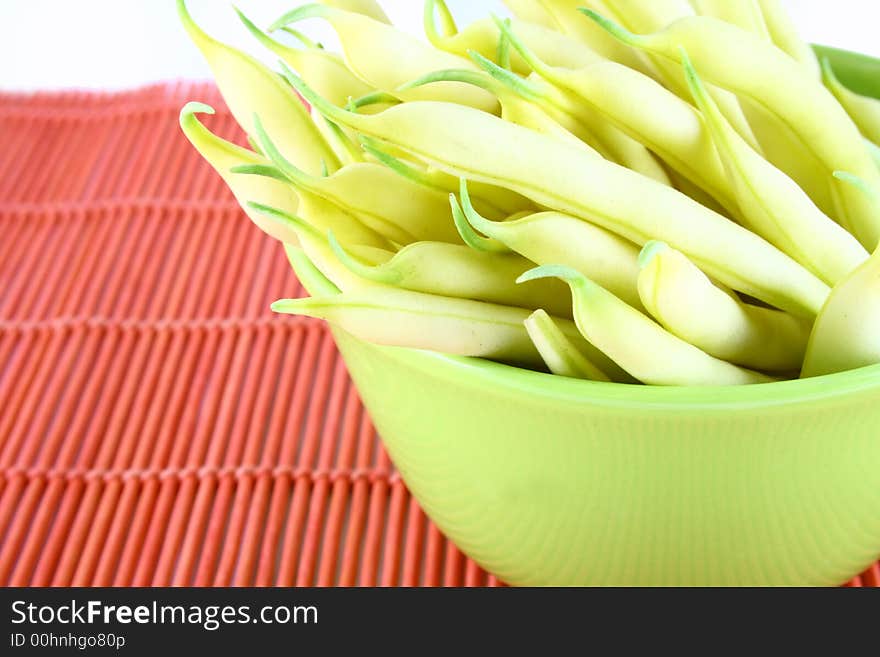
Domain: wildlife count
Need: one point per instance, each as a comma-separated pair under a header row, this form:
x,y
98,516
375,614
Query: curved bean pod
x,y
447,28
248,86
402,318
308,274
514,108
771,80
864,111
372,103
319,212
324,71
563,18
687,304
339,140
773,205
223,156
651,15
554,238
451,270
557,176
482,36
393,206
398,60
672,129
636,343
581,120
313,243
470,236
560,355
495,201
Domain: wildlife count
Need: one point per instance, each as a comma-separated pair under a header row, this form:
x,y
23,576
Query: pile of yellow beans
x,y
668,192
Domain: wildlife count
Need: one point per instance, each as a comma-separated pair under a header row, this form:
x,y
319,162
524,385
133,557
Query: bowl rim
x,y
508,379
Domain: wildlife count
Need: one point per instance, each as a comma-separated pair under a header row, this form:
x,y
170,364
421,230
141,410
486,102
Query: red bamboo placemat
x,y
158,424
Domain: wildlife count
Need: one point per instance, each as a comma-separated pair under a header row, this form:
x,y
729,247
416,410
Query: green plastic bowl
x,y
544,480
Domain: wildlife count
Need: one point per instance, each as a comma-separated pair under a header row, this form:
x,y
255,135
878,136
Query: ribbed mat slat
x,y
158,424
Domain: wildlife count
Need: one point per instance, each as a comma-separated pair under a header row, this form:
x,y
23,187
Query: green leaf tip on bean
x,y
528,55
467,219
318,102
613,28
255,147
186,18
506,77
651,249
312,278
858,183
302,38
297,224
594,128
372,273
233,163
399,209
374,98
328,71
429,19
373,147
571,276
291,172
286,306
474,220
265,170
313,10
400,57
502,53
314,244
558,238
516,105
695,84
258,34
474,78
349,147
435,180
468,235
455,271
195,107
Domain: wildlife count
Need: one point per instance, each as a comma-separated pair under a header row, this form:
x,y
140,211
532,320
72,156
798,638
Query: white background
x,y
125,43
